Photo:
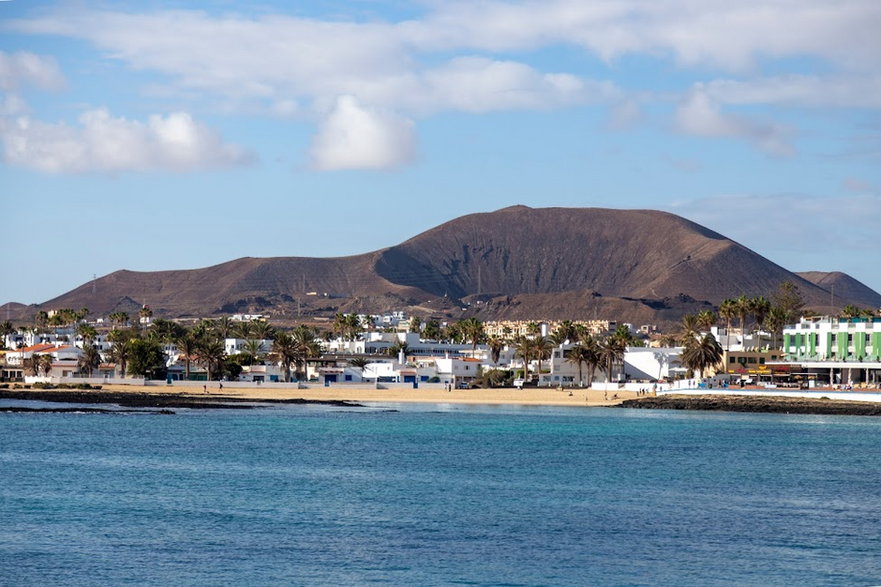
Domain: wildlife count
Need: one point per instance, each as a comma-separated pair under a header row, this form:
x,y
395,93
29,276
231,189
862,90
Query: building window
x,y
761,360
731,360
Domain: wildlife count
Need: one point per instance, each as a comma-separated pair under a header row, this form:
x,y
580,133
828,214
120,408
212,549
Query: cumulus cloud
x,y
447,59
716,33
105,143
355,137
23,68
699,115
839,91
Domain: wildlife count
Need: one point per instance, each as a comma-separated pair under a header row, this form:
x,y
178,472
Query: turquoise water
x,y
439,495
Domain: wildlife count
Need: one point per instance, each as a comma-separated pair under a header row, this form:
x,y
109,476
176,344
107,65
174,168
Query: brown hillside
x,y
624,253
843,287
634,265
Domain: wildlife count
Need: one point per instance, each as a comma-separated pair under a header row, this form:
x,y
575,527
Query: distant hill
x,y
842,286
518,262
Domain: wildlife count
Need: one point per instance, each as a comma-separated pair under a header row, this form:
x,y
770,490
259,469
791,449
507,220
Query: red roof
x,y
37,348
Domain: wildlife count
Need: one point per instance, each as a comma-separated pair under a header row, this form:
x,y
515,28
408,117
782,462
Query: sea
x,y
429,494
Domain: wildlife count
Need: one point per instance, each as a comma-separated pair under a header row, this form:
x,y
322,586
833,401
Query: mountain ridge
x,y
515,262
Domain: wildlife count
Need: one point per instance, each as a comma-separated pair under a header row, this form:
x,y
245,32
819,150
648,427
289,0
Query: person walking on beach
x,y
221,386
205,388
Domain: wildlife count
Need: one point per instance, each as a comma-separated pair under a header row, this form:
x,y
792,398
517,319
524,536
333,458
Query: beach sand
x,y
369,394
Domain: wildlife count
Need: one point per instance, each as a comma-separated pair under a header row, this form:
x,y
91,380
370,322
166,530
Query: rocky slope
x,y
518,262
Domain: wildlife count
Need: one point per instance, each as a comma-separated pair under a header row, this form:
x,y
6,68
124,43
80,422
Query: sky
x,y
170,135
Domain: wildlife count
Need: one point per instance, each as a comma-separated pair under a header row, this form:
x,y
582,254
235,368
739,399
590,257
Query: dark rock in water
x,y
27,410
749,403
156,400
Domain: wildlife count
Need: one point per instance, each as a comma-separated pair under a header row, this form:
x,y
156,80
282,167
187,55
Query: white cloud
x,y
716,33
23,68
354,137
295,67
107,144
12,105
844,91
699,115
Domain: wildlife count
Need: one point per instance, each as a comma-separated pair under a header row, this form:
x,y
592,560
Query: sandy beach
x,y
369,394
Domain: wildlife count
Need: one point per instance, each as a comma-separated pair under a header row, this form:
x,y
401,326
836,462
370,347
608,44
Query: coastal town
x,y
748,343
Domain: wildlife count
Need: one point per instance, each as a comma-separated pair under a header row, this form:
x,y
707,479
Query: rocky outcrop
x,y
747,403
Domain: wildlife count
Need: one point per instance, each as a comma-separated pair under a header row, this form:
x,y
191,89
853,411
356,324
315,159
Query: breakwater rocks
x,y
154,400
749,403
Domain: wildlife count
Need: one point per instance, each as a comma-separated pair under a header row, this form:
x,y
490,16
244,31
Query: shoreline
x,y
242,398
237,397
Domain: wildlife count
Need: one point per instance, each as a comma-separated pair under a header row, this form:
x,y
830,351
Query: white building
x,y
834,350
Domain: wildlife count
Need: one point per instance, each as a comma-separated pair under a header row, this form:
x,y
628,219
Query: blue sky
x,y
166,135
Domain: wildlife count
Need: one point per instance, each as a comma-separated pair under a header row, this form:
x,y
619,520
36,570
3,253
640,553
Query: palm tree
x,y
210,353
689,328
242,330
533,328
706,319
87,332
582,354
121,352
306,347
611,351
284,352
224,327
700,355
261,329
43,363
542,347
473,332
253,348
359,363
593,357
118,318
398,348
728,311
565,331
742,307
145,313
759,307
495,345
41,319
851,311
623,334
558,337
582,332
453,333
31,365
431,330
56,321
774,322
6,329
90,359
524,349
187,347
